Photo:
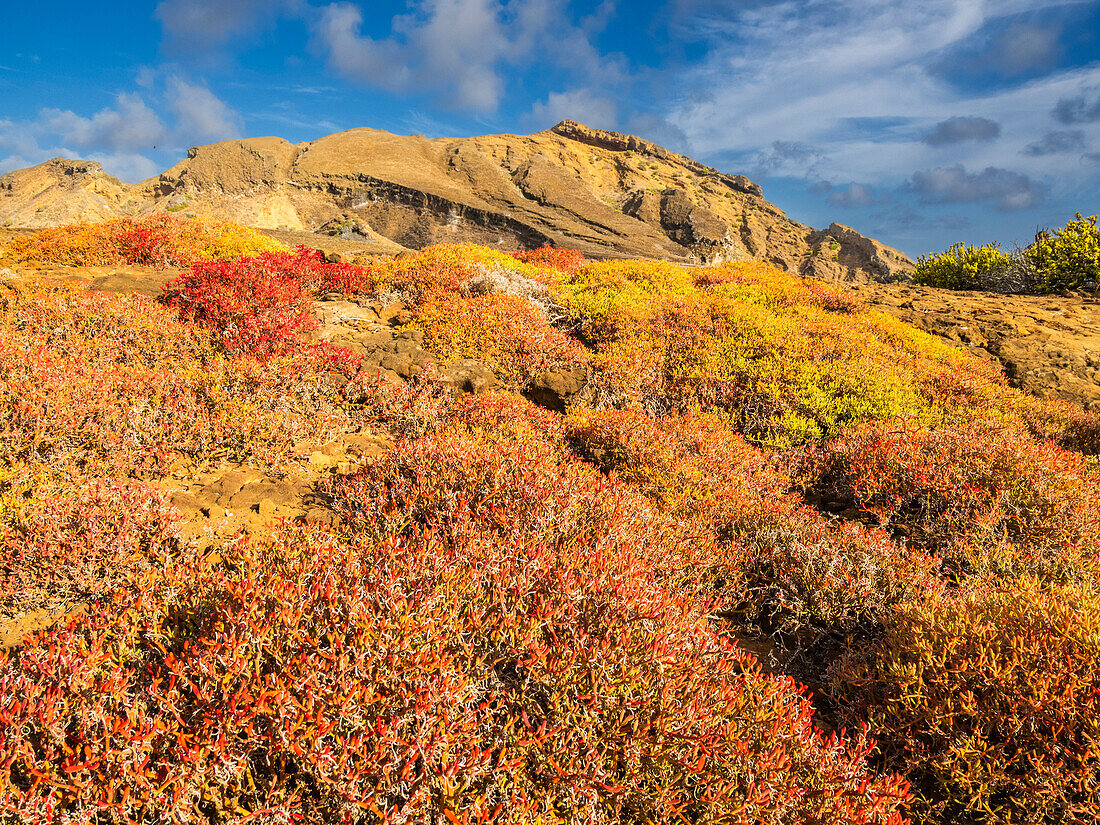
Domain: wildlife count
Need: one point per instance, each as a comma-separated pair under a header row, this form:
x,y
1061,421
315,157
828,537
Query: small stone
x,y
319,459
468,376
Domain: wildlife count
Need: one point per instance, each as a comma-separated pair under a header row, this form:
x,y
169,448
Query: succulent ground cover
x,y
518,614
161,240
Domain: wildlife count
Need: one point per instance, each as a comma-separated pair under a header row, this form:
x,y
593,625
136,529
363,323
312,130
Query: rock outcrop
x,y
62,191
604,193
1048,345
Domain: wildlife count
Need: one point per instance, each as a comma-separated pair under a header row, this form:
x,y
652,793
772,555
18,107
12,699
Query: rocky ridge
x,y
604,193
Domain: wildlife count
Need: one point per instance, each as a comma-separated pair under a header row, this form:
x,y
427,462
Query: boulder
x,y
468,376
555,390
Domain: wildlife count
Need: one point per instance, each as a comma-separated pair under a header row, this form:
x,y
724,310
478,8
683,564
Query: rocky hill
x,y
604,193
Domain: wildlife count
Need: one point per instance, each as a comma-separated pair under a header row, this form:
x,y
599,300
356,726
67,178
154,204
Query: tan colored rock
x,y
603,193
555,390
881,262
1048,345
321,460
62,191
233,167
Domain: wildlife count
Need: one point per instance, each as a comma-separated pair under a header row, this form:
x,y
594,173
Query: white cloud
x,y
961,129
197,27
130,125
585,105
797,72
13,162
789,157
377,63
655,127
145,77
127,166
111,136
1080,108
121,136
1008,191
1059,142
851,196
17,138
200,115
460,50
1025,46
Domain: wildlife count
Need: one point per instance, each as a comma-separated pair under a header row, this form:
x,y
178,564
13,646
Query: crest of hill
x,y
604,193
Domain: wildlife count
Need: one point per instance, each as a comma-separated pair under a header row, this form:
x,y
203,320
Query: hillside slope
x,y
525,538
603,193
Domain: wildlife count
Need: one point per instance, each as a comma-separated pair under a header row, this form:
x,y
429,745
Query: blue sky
x,y
920,123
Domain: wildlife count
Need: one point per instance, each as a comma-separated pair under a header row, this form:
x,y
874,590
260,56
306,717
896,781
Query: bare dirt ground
x,y
218,504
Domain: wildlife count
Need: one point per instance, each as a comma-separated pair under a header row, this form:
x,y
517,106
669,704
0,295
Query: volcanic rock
x,y
604,193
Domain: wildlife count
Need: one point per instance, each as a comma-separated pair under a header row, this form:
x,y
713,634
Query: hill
x,y
466,536
603,193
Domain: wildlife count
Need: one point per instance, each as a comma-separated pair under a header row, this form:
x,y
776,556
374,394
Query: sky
x,y
921,123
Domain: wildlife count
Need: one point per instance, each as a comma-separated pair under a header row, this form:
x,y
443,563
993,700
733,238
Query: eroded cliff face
x,y
604,193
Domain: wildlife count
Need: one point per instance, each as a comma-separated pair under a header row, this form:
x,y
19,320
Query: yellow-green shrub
x,y
1067,257
790,360
609,294
963,267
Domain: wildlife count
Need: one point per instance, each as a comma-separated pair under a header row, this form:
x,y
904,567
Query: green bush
x,y
1065,258
1069,257
963,267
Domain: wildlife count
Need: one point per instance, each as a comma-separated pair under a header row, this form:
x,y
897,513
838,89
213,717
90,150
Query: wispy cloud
x,y
460,51
802,71
789,157
201,116
947,111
